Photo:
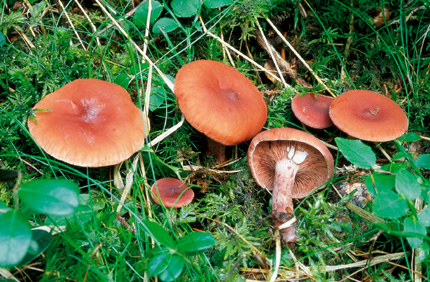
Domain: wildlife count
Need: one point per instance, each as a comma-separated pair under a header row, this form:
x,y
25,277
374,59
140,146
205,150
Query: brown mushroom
x,y
312,110
220,102
171,192
292,163
89,122
368,115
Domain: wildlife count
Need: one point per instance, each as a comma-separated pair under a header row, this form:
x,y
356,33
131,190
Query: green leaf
x,y
158,233
174,269
122,80
165,24
423,161
213,4
407,184
158,96
410,137
15,238
186,8
412,225
424,216
2,39
356,152
383,182
50,196
195,242
388,204
141,14
41,241
167,266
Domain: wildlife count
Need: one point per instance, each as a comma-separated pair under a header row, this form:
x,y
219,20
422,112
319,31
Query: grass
x,y
43,46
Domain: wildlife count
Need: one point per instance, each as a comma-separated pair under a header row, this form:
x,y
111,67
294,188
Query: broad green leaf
x,y
424,216
15,238
213,4
356,152
2,39
174,269
186,8
122,80
141,14
412,225
407,184
423,252
41,239
158,233
158,96
195,242
50,196
165,24
383,182
410,137
388,204
393,167
158,263
423,161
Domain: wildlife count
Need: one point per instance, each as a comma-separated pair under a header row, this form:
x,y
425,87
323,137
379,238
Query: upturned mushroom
x,y
221,103
89,123
369,116
292,164
312,110
171,192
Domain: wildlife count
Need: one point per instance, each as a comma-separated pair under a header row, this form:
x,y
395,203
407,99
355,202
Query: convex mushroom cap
x,y
292,163
312,110
368,115
220,102
168,190
89,123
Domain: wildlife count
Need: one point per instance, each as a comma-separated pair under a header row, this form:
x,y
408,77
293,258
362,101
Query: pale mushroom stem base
x,y
216,149
282,202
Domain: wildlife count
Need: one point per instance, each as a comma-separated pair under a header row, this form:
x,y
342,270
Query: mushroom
x,y
89,123
221,103
168,190
312,110
292,163
368,115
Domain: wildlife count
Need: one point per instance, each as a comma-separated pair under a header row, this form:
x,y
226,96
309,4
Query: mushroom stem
x,y
216,149
282,202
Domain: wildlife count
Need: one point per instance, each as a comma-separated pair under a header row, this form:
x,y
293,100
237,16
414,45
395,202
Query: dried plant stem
x,y
260,67
71,24
300,58
277,256
271,52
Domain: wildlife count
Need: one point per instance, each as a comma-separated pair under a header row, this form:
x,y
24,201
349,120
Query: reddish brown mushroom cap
x,y
312,110
169,189
220,102
368,115
292,163
90,123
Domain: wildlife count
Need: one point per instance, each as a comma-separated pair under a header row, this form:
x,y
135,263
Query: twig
x,y
71,24
300,58
277,256
166,133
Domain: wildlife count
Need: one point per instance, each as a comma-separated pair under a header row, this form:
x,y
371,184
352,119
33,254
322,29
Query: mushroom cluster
x,y
89,123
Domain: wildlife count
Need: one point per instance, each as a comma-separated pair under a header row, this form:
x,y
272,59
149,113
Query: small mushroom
x,y
292,163
168,190
89,123
312,110
221,103
367,115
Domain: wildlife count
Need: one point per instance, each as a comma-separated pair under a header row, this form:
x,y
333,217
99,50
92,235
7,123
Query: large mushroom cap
x,y
271,146
220,102
312,110
368,115
169,189
89,122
